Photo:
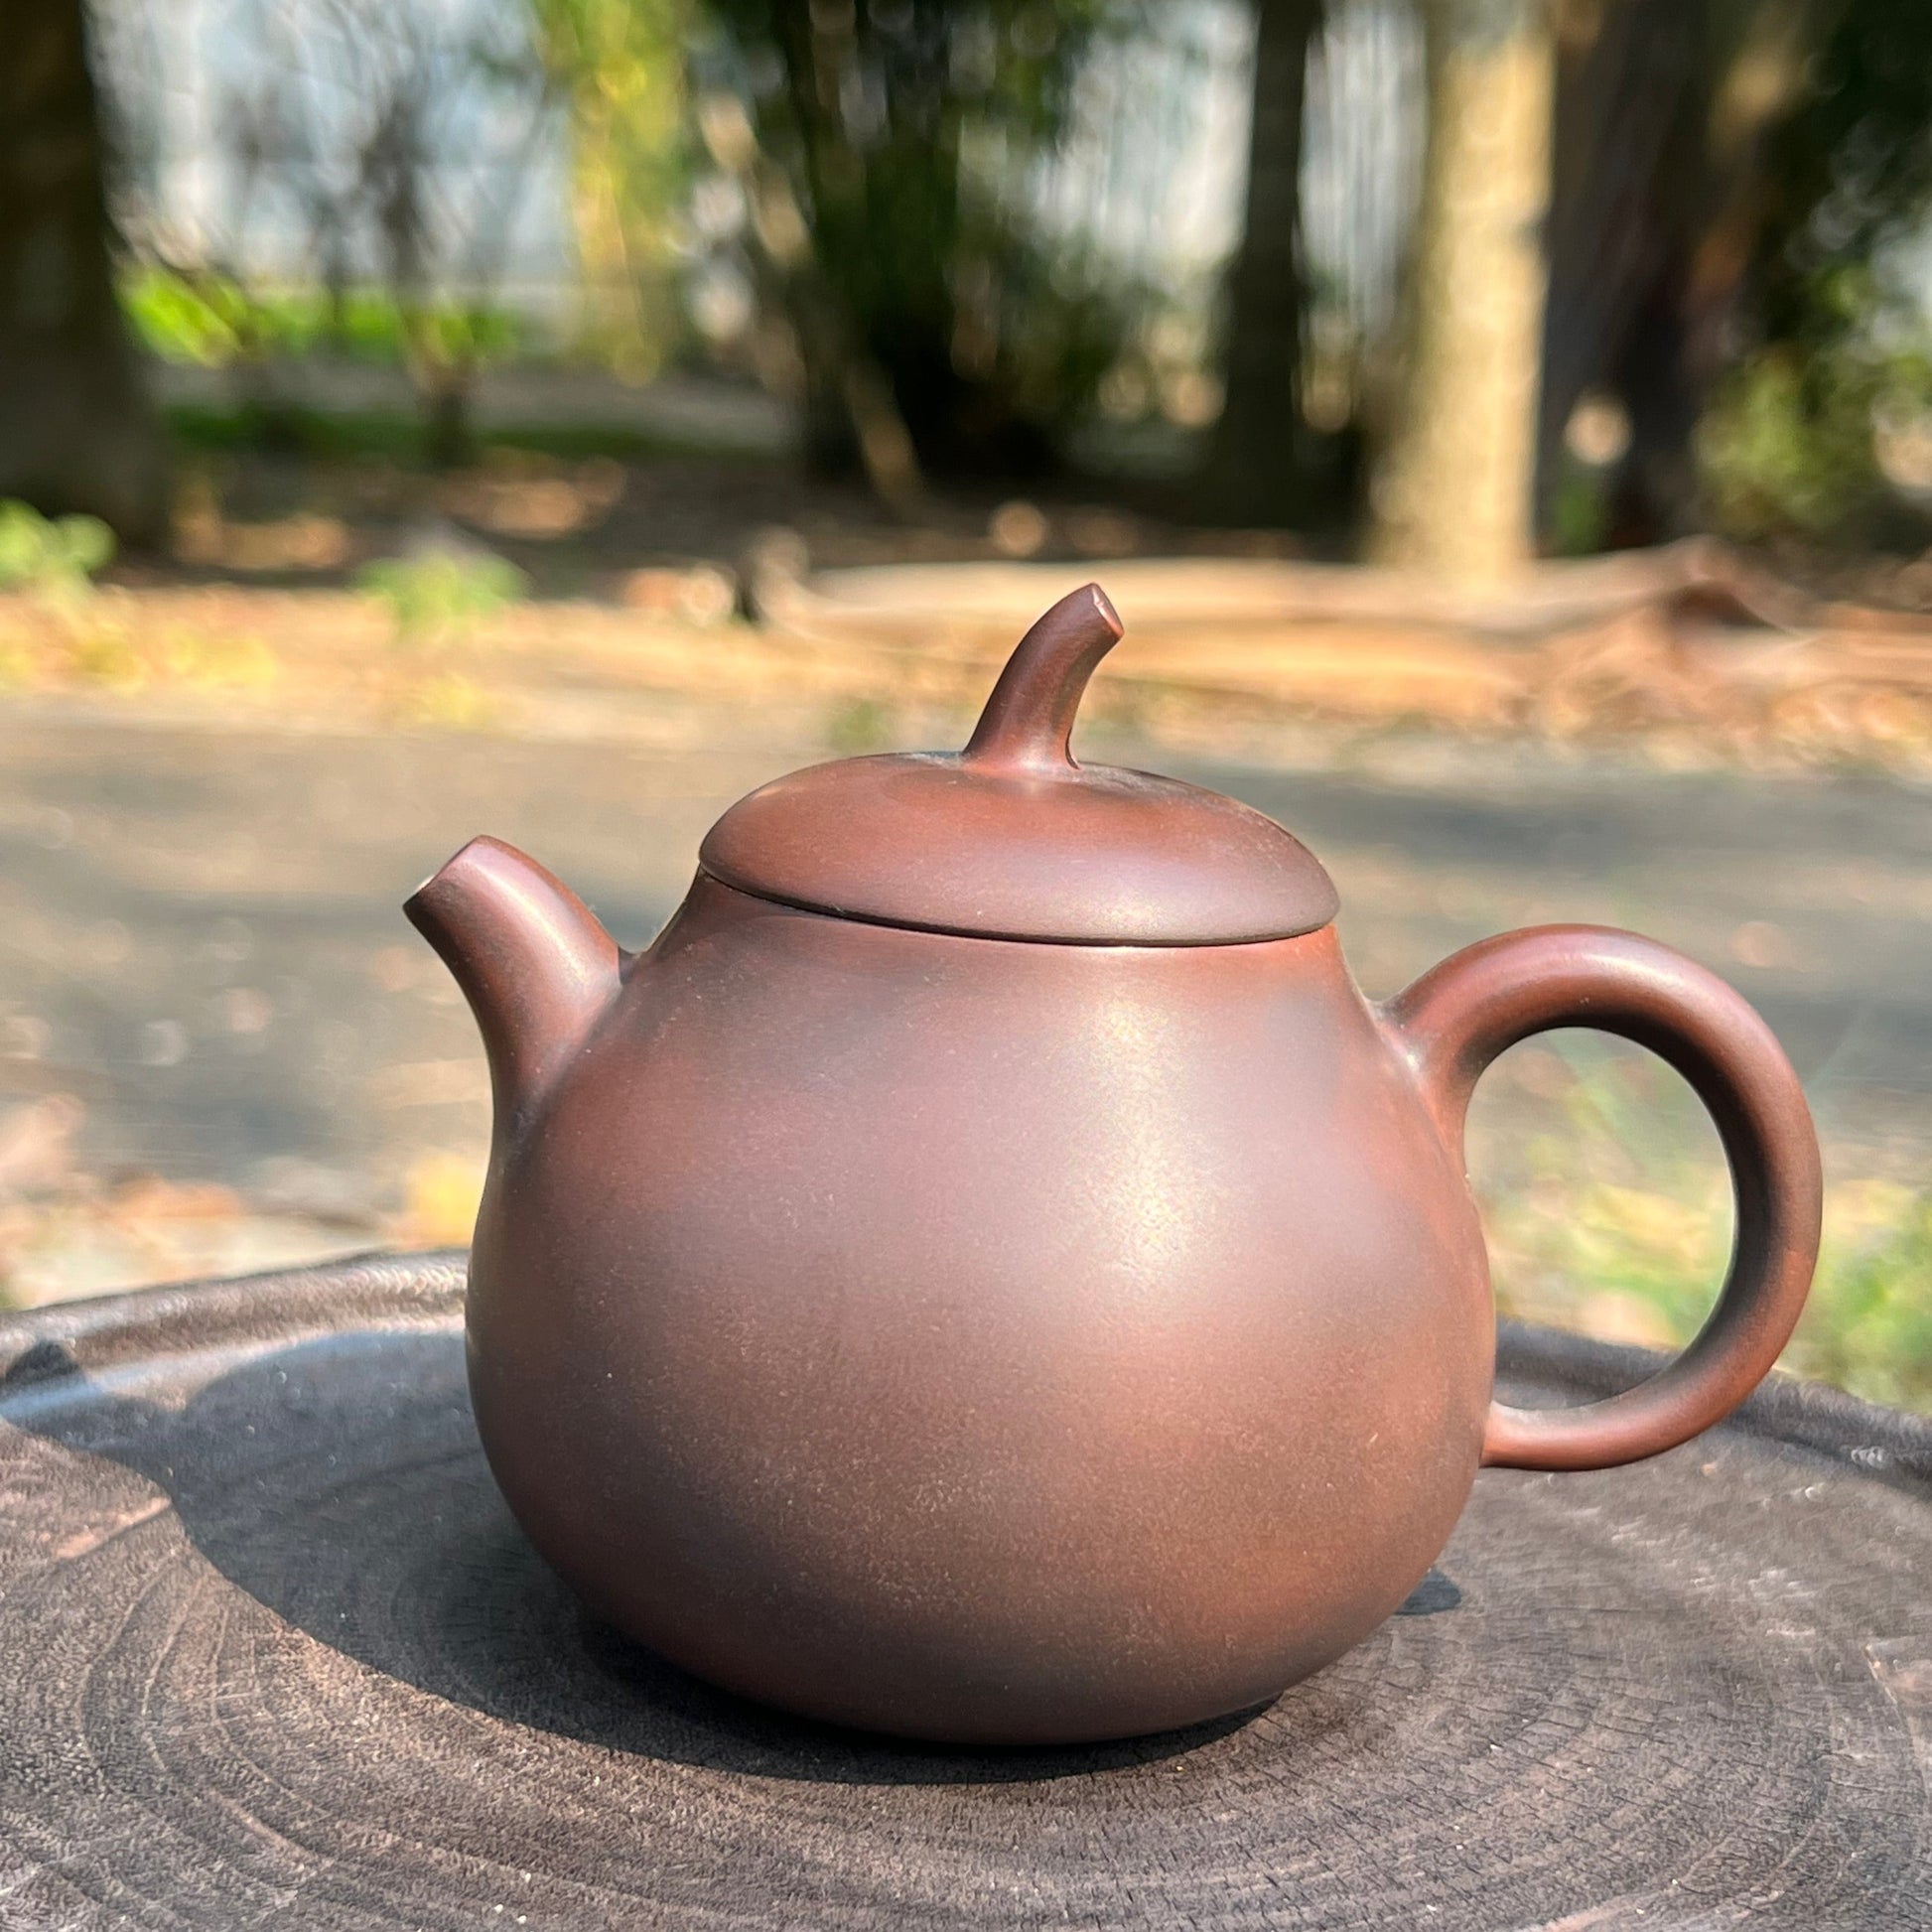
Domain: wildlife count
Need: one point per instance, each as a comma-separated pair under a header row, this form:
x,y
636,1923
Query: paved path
x,y
199,934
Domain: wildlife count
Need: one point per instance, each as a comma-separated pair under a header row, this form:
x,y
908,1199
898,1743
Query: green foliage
x,y
1841,345
53,559
1791,440
437,595
618,64
317,434
74,639
1578,510
203,322
213,321
1786,444
326,436
1851,169
1869,1327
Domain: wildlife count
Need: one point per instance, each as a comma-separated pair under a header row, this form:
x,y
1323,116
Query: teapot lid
x,y
1012,839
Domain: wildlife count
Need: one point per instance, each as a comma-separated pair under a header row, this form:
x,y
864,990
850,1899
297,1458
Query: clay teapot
x,y
985,1273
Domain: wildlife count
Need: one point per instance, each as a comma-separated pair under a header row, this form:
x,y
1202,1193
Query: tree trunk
x,y
1633,103
1456,493
78,430
1662,113
1256,462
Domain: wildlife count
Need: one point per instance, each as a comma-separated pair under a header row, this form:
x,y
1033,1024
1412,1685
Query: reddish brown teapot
x,y
985,1273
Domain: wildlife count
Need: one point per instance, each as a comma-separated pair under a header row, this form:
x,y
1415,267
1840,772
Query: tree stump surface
x,y
275,1653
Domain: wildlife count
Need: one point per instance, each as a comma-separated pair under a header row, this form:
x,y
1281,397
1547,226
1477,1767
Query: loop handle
x,y
1454,1020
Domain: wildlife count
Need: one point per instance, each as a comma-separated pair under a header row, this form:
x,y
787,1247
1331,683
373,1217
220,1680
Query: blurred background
x,y
1505,426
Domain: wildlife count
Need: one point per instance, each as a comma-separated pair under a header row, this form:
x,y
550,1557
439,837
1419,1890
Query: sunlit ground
x,y
220,1050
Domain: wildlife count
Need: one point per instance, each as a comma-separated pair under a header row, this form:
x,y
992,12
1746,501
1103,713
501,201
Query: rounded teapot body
x,y
977,1339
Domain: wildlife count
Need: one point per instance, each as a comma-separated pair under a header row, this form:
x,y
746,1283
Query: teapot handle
x,y
1454,1020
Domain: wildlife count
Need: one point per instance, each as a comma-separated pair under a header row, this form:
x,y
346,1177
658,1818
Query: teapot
x,y
984,1273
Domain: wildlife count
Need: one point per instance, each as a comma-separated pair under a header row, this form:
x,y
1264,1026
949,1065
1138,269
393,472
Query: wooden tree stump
x,y
276,1654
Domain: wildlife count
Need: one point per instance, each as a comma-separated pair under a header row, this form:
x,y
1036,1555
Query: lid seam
x,y
818,907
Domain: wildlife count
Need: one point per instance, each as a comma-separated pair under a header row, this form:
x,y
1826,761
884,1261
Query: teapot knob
x,y
1028,722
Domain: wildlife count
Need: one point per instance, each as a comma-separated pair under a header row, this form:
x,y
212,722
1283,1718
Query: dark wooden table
x,y
273,1653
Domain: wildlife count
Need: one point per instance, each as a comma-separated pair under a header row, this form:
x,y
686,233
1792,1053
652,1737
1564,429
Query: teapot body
x,y
986,1274
981,1339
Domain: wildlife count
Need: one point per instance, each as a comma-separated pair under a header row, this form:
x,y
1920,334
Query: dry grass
x,y
65,1232
339,658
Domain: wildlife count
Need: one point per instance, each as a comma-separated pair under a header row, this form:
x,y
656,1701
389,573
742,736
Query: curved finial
x,y
1028,720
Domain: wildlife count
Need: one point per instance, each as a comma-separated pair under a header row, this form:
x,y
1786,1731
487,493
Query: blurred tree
x,y
1738,185
429,83
1825,412
619,66
1850,162
360,192
1633,93
849,406
1665,116
891,145
1257,461
76,429
1455,490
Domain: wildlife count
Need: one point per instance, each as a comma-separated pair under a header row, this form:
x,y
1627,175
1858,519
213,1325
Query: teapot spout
x,y
529,956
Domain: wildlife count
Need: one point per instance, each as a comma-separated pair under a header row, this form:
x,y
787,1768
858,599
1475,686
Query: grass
x,y
331,434
60,633
437,595
1608,1212
212,321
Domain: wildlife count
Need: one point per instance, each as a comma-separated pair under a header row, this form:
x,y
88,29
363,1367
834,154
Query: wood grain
x,y
274,1653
